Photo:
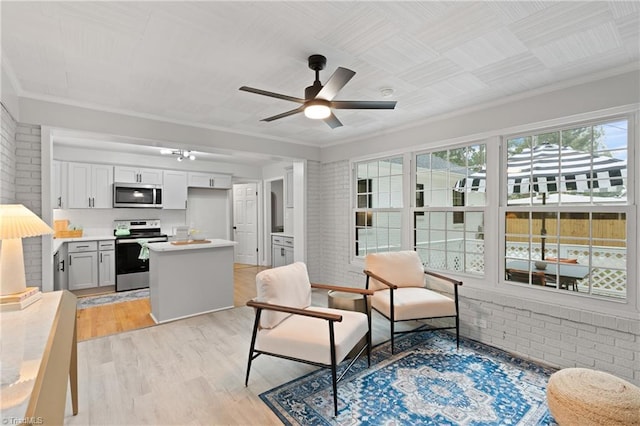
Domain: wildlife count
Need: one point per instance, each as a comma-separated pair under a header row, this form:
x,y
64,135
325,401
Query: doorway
x,y
245,223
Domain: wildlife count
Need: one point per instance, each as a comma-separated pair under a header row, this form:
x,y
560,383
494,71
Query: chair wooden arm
x,y
362,291
382,280
307,313
442,277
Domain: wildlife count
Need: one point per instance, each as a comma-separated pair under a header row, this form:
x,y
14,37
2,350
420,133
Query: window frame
x,y
353,196
493,280
455,210
629,209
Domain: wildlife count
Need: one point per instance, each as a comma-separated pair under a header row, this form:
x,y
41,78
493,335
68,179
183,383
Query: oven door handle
x,y
148,240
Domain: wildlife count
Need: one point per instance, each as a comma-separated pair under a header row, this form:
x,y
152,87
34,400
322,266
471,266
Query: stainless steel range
x,y
131,271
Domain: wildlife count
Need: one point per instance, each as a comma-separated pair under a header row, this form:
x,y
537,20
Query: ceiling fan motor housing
x,y
311,91
317,62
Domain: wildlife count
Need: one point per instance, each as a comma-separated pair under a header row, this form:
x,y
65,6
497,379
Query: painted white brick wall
x,y
7,157
554,335
335,221
28,191
314,221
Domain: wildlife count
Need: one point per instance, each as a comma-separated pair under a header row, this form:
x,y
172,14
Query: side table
x,y
348,302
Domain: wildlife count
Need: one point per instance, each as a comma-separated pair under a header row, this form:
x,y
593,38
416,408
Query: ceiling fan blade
x,y
272,95
335,83
284,114
363,104
333,121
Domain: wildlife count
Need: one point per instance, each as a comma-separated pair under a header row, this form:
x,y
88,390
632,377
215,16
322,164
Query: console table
x,y
38,350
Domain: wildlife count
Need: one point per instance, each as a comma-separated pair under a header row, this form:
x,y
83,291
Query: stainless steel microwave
x,y
137,195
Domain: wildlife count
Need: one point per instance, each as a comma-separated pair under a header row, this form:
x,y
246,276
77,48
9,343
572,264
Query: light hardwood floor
x,y
189,371
104,320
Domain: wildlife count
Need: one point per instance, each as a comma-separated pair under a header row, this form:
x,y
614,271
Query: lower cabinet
x,y
106,263
83,269
91,264
281,250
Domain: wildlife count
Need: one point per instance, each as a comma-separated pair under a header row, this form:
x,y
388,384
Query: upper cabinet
x,y
59,188
288,187
175,190
89,186
137,175
209,180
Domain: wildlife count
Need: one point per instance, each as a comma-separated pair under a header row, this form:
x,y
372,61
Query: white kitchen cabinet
x,y
281,250
106,263
288,187
209,180
89,185
137,175
174,194
59,186
83,265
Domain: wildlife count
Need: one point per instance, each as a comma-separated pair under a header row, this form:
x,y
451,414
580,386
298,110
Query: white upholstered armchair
x,y
286,326
404,291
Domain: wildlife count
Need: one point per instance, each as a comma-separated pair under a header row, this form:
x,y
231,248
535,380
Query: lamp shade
x,y
17,221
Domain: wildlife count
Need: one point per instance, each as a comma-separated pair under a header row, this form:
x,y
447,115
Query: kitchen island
x,y
187,279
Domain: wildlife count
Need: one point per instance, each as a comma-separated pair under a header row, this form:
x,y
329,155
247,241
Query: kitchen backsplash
x,y
100,221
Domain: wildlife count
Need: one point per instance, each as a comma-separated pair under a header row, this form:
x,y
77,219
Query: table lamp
x,y
17,222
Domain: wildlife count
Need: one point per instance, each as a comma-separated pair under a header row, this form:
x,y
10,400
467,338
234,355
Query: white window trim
x,y
492,280
357,263
627,307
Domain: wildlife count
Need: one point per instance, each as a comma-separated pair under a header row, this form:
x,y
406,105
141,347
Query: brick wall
x,y
7,157
556,335
551,334
28,191
314,220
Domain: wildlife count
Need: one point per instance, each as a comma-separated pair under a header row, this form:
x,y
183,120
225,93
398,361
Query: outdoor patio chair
x,y
286,326
404,291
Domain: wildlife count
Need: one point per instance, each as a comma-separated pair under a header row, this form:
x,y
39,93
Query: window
x,y
566,210
378,211
448,218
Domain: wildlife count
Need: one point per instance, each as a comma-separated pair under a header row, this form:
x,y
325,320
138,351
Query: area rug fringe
x,y
427,382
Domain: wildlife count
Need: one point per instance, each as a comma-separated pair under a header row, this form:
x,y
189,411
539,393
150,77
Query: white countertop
x,y
282,234
213,243
57,242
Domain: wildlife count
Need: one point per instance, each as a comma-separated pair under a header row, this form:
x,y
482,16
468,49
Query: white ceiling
x,y
184,61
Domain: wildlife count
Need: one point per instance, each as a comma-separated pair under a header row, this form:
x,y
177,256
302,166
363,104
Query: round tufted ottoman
x,y
579,396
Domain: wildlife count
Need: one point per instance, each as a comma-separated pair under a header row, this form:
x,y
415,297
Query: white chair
x,y
404,291
286,326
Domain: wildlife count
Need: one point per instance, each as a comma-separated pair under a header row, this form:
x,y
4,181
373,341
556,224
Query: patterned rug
x,y
106,299
427,382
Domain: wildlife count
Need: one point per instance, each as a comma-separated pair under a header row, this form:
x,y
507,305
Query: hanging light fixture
x,y
182,154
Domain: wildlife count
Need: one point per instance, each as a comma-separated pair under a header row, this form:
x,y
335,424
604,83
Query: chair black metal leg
x,y
334,378
253,344
393,332
457,332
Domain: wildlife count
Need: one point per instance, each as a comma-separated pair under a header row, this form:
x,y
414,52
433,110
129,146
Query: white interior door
x,y
245,222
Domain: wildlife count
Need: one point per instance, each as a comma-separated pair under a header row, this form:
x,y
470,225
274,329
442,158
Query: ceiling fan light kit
x,y
318,99
317,109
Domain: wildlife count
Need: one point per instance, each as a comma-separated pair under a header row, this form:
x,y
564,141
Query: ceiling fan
x,y
318,99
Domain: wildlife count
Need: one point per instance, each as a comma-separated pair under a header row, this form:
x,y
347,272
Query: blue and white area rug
x,y
106,299
427,382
